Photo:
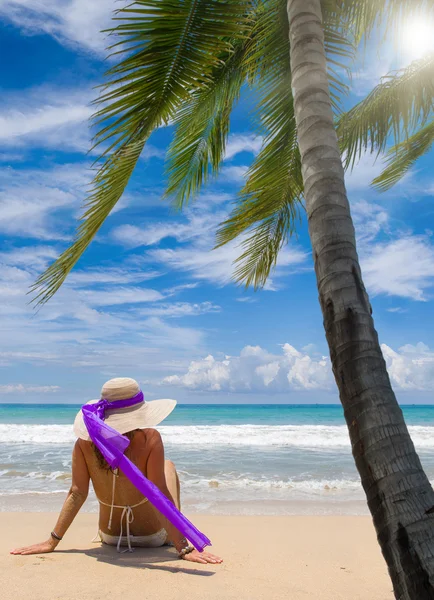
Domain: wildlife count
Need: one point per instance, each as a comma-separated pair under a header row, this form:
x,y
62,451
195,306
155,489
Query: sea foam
x,y
313,437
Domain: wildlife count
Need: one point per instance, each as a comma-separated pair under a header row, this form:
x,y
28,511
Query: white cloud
x,y
208,199
198,224
180,309
54,118
369,166
22,388
411,368
151,151
242,143
256,370
370,220
31,199
216,266
158,332
48,118
110,275
119,295
176,289
402,267
234,173
71,22
364,171
11,157
32,257
16,124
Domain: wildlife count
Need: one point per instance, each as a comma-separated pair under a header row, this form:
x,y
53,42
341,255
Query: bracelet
x,y
185,551
55,536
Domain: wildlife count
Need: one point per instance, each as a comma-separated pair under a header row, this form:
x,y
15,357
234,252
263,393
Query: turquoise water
x,y
212,414
256,459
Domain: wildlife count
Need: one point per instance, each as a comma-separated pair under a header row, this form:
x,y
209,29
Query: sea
x,y
231,459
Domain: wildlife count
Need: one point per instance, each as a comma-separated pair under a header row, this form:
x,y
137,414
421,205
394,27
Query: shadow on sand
x,y
141,558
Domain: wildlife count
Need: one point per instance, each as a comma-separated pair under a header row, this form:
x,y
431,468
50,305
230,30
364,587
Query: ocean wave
x,y
229,481
200,485
31,493
246,483
314,437
49,475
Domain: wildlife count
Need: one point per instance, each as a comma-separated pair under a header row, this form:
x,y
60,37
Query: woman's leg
x,y
172,482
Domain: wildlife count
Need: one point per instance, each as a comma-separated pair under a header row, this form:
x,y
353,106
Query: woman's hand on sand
x,y
42,548
202,557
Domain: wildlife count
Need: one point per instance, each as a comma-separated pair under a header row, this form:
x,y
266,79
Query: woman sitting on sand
x,y
123,509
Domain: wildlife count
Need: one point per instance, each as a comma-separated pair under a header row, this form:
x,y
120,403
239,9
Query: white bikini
x,y
155,540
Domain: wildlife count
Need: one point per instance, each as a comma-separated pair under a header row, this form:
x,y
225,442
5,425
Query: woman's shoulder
x,y
147,440
152,435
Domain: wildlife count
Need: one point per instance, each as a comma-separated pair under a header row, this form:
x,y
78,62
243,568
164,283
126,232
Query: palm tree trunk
x,y
398,492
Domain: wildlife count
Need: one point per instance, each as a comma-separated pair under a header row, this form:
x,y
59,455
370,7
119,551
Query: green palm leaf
x,y
402,157
365,15
202,125
171,49
270,202
261,249
399,104
202,128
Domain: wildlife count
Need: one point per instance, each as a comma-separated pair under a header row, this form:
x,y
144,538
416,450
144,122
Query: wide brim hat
x,y
139,416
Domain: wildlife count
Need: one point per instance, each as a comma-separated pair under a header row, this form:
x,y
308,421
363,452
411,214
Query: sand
x,y
270,558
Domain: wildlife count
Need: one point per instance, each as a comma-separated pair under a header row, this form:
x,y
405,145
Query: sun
x,y
418,37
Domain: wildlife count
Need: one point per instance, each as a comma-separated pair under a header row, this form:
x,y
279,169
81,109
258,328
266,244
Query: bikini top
x,y
127,513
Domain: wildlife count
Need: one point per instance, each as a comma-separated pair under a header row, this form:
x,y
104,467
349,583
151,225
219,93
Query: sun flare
x,y
418,37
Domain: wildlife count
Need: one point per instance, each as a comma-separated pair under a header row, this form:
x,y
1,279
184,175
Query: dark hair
x,y
101,460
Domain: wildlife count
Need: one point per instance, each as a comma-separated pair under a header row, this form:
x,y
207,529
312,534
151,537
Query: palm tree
x,y
399,494
185,62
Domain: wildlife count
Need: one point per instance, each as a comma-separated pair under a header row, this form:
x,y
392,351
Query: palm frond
x,y
402,157
365,16
202,128
262,247
268,204
165,50
400,103
340,52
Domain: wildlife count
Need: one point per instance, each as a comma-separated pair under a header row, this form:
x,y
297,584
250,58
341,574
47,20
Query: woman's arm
x,y
74,501
155,473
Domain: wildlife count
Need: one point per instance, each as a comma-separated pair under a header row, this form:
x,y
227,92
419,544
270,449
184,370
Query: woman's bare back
x,y
146,520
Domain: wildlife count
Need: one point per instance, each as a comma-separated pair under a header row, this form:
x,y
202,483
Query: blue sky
x,y
149,299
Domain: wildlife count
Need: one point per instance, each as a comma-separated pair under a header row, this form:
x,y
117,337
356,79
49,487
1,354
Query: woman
x,y
126,517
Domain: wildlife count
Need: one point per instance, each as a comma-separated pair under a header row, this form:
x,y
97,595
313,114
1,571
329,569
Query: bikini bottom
x,y
155,540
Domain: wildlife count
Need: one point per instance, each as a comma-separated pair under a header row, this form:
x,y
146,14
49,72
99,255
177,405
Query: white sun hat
x,y
139,416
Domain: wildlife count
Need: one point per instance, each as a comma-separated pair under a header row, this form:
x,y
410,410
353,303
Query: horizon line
x,y
298,404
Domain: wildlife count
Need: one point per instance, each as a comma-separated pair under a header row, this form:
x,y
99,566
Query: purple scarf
x,y
112,446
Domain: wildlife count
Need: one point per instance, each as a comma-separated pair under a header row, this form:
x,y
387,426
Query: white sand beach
x,y
265,558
